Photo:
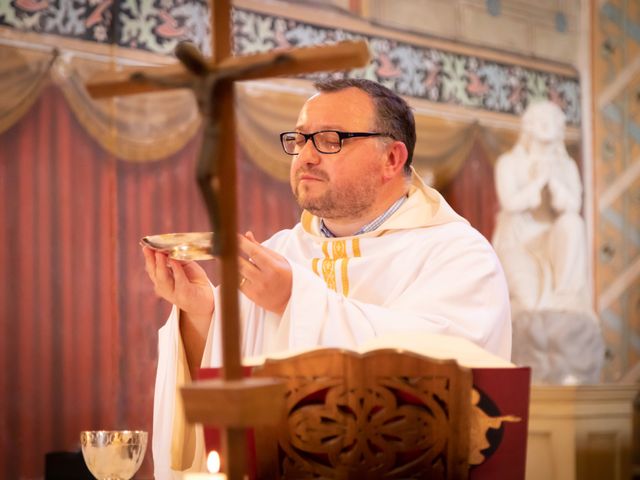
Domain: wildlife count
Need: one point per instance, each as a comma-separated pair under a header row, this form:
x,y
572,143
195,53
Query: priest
x,y
376,252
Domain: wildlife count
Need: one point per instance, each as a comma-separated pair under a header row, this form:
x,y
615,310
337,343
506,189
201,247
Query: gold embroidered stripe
x,y
345,277
325,249
339,249
329,272
336,252
355,243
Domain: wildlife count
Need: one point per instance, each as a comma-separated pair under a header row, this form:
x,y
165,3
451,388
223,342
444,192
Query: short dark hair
x,y
393,114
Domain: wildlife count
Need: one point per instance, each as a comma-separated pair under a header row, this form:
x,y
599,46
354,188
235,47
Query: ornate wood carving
x,y
384,414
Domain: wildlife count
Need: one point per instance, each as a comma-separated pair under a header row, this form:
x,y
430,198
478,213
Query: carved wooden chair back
x,y
383,414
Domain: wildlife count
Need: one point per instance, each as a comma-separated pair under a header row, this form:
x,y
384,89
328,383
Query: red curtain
x,y
79,316
472,192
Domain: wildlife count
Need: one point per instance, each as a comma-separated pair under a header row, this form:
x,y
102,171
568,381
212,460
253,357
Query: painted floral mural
x,y
413,70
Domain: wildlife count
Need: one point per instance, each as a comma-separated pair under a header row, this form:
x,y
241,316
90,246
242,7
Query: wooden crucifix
x,y
239,403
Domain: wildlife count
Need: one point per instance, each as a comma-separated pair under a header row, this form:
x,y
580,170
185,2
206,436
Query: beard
x,y
347,200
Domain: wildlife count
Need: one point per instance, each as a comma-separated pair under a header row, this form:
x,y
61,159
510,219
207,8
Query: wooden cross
x,y
232,403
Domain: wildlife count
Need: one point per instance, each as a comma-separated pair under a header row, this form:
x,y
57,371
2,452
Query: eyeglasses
x,y
325,141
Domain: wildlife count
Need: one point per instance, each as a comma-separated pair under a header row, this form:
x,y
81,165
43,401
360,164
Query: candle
x,y
213,465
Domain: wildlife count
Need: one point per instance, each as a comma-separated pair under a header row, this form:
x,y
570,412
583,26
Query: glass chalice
x,y
113,454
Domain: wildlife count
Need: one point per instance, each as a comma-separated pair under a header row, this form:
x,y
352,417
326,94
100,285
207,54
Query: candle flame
x,y
213,462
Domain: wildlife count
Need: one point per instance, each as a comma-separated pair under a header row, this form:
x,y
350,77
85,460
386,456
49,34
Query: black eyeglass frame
x,y
341,135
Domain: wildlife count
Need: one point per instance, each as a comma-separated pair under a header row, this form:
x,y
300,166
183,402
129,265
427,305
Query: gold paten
x,y
182,246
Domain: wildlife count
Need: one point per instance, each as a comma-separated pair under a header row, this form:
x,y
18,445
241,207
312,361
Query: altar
x,y
580,432
438,407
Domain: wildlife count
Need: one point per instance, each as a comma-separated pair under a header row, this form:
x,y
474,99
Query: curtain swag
x,y
149,127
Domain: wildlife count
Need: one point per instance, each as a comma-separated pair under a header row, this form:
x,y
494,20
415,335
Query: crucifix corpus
x,y
232,403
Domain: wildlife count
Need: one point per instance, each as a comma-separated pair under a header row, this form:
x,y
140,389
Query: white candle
x,y
203,476
213,465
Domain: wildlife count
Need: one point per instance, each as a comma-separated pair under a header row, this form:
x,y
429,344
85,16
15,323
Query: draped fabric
x,y
473,192
22,76
149,127
78,316
138,128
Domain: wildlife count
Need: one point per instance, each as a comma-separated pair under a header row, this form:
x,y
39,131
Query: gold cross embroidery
x,y
336,260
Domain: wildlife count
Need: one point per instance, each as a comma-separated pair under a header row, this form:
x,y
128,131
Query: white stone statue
x,y
540,236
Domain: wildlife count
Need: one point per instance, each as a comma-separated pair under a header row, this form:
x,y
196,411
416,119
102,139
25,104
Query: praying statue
x,y
540,238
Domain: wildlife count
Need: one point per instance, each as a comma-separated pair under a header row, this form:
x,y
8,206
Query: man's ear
x,y
396,158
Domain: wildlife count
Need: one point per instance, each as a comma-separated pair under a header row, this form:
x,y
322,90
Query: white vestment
x,y
423,270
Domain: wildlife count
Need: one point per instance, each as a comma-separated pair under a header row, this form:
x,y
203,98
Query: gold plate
x,y
182,246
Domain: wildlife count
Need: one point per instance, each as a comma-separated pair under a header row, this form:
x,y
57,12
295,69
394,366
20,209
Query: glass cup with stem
x,y
113,454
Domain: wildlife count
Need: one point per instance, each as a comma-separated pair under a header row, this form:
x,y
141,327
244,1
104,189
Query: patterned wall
x,y
616,92
153,25
417,71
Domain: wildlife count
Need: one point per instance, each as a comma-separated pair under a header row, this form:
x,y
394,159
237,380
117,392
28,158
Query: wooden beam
x,y
242,404
340,56
221,29
234,445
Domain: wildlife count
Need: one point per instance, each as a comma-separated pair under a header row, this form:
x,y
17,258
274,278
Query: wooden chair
x,y
382,414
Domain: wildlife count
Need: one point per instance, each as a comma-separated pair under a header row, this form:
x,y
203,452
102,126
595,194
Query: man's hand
x,y
266,276
185,284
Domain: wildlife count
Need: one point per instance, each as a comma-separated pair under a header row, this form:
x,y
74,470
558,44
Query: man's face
x,y
342,185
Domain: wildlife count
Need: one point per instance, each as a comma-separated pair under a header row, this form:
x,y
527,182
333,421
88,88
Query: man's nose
x,y
308,153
